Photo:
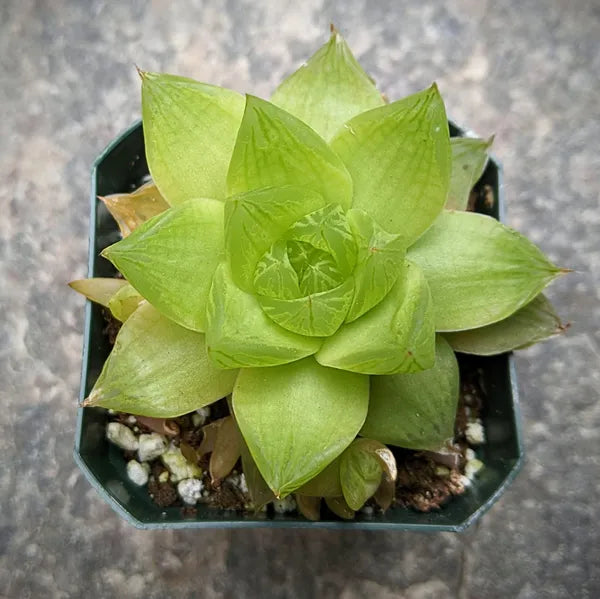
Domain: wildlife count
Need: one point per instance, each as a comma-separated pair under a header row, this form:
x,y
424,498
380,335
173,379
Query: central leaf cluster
x,y
316,254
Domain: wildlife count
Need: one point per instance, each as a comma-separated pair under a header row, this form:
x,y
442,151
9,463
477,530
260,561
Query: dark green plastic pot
x,y
122,167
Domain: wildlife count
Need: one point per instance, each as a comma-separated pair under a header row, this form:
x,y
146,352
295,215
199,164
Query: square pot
x,y
122,167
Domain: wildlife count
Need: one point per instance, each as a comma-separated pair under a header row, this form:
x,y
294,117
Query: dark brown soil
x,y
421,486
111,327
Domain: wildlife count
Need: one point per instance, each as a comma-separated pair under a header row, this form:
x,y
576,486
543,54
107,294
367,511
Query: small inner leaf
x,y
274,148
469,158
275,275
379,262
163,426
316,270
132,209
209,438
384,496
327,229
317,315
329,89
254,221
533,323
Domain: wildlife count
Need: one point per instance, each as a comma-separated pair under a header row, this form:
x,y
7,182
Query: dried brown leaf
x,y
132,209
227,449
162,426
385,493
309,507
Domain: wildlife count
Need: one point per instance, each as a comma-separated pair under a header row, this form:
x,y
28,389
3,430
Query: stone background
x,y
524,69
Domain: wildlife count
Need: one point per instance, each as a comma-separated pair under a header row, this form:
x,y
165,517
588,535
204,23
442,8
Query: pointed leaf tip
x,y
186,379
297,418
479,270
189,131
274,148
141,73
329,89
412,135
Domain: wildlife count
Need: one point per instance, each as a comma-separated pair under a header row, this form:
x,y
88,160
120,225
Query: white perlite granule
x,y
238,480
475,433
178,466
282,506
472,468
190,490
199,418
122,436
151,446
138,473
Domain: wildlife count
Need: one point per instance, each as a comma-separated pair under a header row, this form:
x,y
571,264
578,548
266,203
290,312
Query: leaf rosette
x,y
298,254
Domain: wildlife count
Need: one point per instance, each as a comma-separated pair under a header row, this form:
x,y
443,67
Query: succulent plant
x,y
312,257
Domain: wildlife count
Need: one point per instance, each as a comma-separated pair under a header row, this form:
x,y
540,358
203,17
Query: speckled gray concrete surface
x,y
526,70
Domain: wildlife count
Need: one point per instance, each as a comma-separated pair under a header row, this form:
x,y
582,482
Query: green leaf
x,y
379,262
315,315
327,229
257,487
479,271
274,148
329,89
159,369
361,468
326,484
469,157
124,302
189,132
339,507
240,335
297,418
316,270
98,289
399,159
275,276
395,336
171,259
254,221
132,209
417,410
384,496
533,323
